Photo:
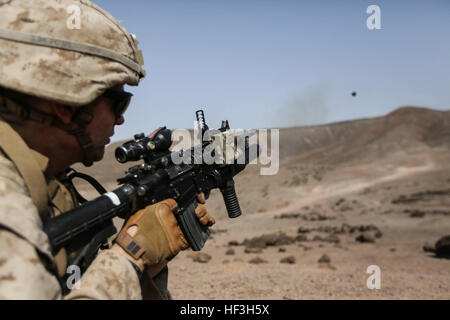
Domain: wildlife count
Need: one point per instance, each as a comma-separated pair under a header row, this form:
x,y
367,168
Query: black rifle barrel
x,y
62,229
80,219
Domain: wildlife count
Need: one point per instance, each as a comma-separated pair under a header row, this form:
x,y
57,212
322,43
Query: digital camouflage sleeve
x,y
27,268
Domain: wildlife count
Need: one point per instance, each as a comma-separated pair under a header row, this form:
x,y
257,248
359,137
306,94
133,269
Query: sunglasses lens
x,y
121,107
121,101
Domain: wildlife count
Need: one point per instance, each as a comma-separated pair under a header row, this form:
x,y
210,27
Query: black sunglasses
x,y
121,101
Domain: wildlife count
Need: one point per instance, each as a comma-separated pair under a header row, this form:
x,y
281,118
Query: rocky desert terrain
x,y
347,196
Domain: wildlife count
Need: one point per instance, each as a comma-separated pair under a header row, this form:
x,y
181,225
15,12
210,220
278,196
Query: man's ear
x,y
63,112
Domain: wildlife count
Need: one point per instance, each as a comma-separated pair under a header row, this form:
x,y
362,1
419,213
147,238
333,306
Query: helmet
x,y
45,55
41,56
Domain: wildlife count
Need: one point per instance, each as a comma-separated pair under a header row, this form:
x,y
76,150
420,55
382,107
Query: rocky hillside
x,y
404,128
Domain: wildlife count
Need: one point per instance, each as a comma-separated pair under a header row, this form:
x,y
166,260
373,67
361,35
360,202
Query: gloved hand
x,y
155,235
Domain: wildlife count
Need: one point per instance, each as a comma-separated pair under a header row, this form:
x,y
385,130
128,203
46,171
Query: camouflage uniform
x,y
27,268
42,57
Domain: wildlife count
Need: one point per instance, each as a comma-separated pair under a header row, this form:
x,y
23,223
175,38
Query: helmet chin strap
x,y
90,153
82,117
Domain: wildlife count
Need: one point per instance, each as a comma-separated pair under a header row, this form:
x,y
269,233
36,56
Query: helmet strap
x,y
82,117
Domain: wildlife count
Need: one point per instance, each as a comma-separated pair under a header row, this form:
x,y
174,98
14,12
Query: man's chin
x,y
99,153
94,156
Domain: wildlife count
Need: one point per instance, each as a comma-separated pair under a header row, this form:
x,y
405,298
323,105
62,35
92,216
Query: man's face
x,y
101,128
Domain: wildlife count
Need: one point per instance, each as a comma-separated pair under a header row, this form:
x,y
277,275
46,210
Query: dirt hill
x,y
406,127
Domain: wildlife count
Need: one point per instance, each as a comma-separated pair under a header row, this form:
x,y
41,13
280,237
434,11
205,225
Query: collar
x,y
40,159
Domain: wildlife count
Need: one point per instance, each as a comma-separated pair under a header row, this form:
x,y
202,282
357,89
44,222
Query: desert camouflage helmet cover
x,y
41,56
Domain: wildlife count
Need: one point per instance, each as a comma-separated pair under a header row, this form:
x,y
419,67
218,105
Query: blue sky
x,y
272,64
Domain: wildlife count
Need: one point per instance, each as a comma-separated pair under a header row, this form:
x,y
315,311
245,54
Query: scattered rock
x,y
289,260
311,216
301,237
392,249
274,239
257,260
233,243
230,252
414,213
316,216
303,230
324,259
420,196
378,234
317,238
202,257
288,216
255,243
345,228
325,262
332,238
442,247
417,214
281,249
365,238
253,250
363,228
225,261
327,229
402,199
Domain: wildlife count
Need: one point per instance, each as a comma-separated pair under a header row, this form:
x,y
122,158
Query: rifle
x,y
85,229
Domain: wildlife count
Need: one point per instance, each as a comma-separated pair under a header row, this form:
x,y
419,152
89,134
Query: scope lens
x,y
121,154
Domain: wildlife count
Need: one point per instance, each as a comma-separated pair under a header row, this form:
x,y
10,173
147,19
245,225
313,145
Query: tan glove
x,y
158,236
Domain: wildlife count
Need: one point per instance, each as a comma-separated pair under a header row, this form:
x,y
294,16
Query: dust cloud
x,y
306,108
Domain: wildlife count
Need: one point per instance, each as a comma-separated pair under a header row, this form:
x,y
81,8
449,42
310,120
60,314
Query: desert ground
x,y
347,196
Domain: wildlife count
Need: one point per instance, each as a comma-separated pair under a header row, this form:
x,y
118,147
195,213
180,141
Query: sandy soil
x,y
364,198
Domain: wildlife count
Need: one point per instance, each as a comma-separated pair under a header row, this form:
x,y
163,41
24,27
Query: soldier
x,y
61,94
